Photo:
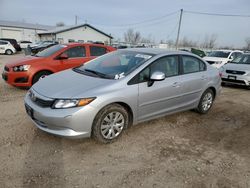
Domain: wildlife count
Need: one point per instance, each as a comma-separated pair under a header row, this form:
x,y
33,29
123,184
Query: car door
x,y
193,79
162,96
76,57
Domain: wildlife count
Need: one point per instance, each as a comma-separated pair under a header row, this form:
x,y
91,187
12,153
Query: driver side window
x,y
168,65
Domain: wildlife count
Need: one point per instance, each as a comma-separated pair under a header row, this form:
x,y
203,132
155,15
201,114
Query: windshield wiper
x,y
98,73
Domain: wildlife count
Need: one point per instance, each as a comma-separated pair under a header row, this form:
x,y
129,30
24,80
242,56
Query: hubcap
x,y
112,125
207,101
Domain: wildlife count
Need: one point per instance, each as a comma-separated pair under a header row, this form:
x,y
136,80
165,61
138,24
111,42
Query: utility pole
x,y
179,28
76,20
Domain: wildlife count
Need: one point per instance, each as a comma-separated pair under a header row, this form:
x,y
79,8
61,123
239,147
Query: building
x,y
78,33
22,30
65,34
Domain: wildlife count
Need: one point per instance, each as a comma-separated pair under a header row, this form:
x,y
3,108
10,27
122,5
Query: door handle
x,y
176,84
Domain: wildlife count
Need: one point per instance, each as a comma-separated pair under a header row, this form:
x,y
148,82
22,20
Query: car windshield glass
x,y
115,65
49,51
222,54
243,59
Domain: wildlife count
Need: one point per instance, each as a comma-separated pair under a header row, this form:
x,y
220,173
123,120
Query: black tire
x,y
98,123
39,75
8,52
202,108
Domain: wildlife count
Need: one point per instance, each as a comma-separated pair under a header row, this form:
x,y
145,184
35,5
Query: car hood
x,y
237,67
207,58
28,60
70,84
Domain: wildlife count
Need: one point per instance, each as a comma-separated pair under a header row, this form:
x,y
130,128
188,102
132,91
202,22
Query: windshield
x,y
115,65
222,54
243,59
49,51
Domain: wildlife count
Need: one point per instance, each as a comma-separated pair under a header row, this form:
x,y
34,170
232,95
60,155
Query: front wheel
x,y
39,76
109,123
206,101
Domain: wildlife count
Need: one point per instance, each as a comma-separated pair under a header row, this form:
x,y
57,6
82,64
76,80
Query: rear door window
x,y
191,64
76,52
97,50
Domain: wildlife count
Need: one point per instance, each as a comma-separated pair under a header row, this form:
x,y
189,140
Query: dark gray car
x,y
107,95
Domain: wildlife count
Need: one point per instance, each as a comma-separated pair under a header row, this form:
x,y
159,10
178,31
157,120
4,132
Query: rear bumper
x,y
71,122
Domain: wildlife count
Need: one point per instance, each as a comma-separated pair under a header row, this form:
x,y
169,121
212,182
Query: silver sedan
x,y
107,95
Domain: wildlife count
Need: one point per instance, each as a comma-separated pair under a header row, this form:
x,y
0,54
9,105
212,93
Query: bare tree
x,y
185,42
209,41
247,40
60,24
130,36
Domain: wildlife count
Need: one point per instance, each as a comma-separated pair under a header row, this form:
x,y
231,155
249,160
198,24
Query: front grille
x,y
39,101
241,82
235,72
43,103
210,62
7,69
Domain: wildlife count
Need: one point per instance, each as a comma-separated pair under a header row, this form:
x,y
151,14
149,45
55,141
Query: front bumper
x,y
235,79
72,122
18,79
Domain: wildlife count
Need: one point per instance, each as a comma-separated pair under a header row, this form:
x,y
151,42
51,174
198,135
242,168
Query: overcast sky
x,y
116,16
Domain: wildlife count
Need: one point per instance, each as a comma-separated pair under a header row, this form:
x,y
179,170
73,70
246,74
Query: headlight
x,y
69,103
21,68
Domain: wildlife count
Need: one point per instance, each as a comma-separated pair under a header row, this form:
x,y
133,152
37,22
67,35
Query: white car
x,y
24,44
237,72
6,48
219,58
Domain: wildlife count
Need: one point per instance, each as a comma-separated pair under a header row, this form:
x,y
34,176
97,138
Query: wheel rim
x,y
8,52
207,101
112,125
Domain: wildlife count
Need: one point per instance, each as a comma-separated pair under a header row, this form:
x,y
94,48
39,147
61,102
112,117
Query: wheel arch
x,y
37,72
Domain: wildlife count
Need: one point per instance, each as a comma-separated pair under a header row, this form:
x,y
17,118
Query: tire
x,y
8,52
206,102
40,75
109,123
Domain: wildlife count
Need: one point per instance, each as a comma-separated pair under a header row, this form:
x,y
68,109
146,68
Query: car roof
x,y
156,51
78,43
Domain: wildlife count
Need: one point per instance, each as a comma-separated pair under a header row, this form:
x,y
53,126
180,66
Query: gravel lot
x,y
181,150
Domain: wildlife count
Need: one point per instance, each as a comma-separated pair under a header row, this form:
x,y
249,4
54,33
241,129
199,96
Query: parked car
x,y
219,58
6,48
24,44
237,71
38,43
28,70
107,95
39,48
13,42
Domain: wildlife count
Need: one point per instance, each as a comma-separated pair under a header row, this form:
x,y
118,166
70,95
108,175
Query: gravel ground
x,y
181,150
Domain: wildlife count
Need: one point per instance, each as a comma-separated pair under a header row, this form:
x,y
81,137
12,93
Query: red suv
x,y
28,70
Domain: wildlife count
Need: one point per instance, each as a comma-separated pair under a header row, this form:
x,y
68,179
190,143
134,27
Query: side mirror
x,y
63,56
156,76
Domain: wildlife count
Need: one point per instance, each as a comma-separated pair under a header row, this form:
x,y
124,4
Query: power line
x,y
137,23
217,14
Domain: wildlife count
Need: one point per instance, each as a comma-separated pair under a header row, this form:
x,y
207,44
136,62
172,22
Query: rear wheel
x,y
206,101
8,52
109,123
40,75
